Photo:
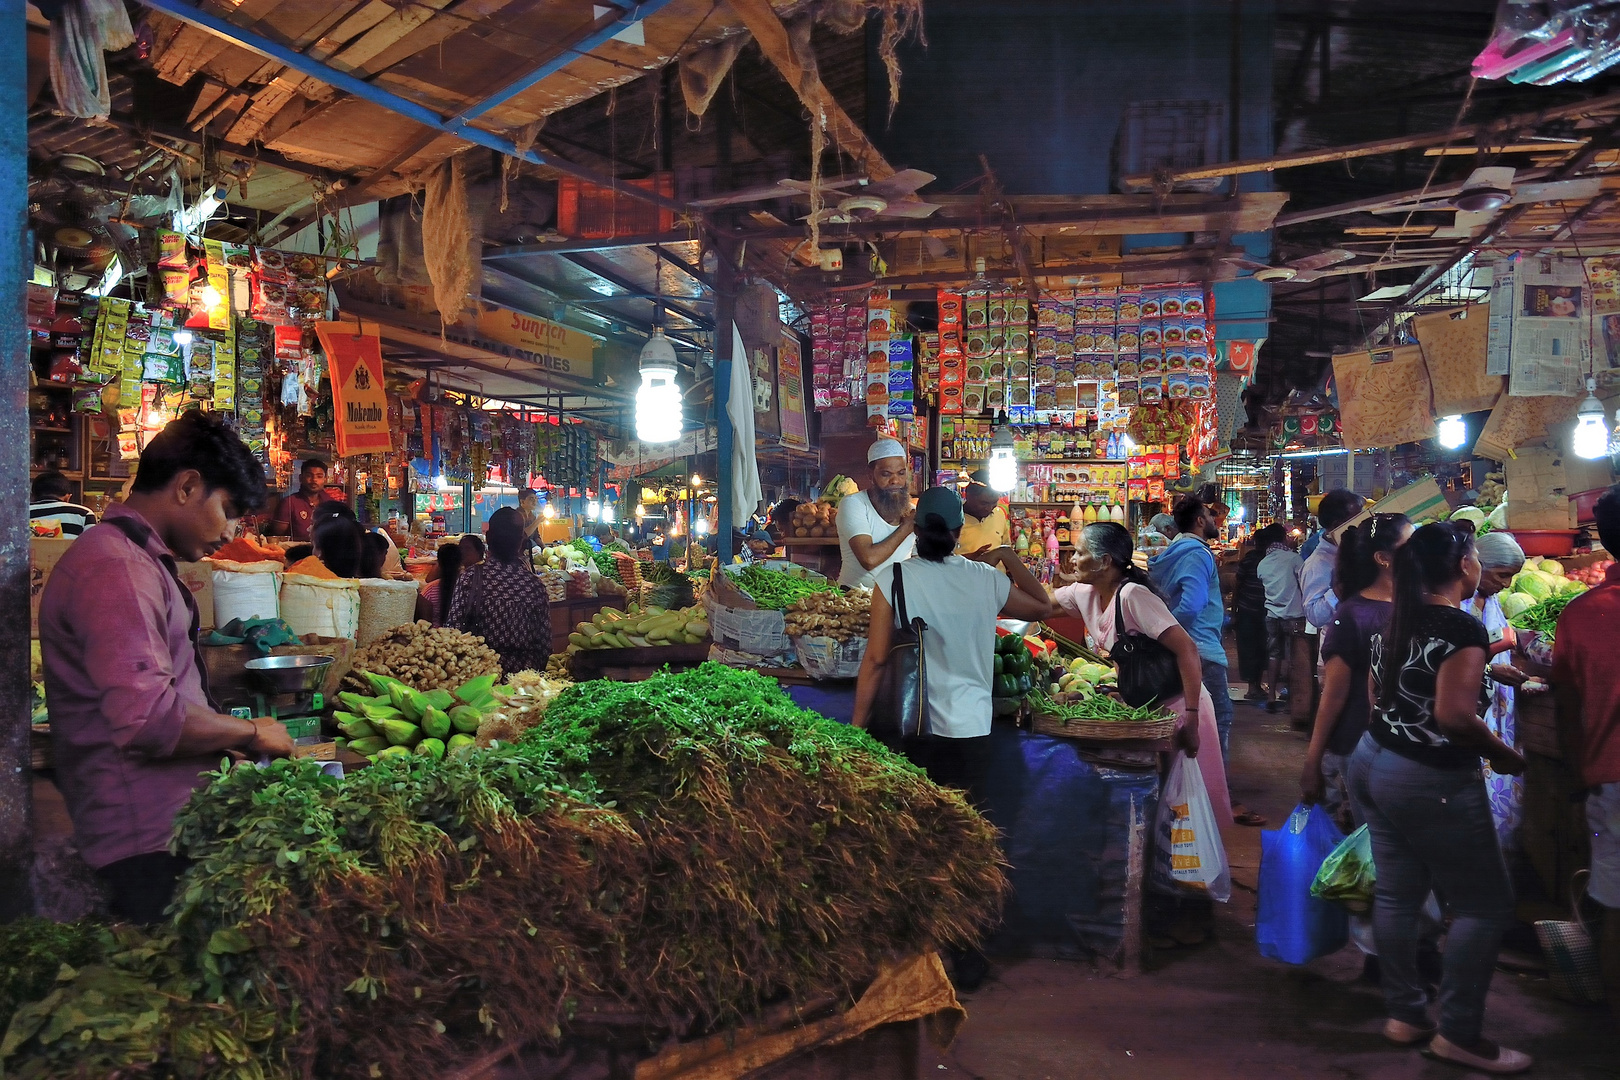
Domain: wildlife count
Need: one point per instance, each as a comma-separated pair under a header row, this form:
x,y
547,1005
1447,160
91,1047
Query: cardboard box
x,y
44,553
1538,490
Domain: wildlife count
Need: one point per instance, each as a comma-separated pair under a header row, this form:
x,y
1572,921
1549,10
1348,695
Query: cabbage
x,y
1533,583
1498,517
1515,602
1469,513
1550,566
1570,585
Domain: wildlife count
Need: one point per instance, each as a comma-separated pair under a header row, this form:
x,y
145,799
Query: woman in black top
x,y
1415,779
503,600
1249,611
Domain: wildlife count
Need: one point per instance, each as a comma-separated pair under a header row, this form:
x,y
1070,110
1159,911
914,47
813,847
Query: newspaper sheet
x,y
1551,329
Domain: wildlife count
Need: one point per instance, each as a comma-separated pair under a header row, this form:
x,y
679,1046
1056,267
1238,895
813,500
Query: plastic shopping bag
x,y
1291,925
1188,853
1348,874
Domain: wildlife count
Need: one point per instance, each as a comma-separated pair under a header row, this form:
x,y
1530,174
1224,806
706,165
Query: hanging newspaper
x,y
1552,325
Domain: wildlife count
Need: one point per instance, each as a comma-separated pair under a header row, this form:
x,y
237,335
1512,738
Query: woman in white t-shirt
x,y
1104,571
959,598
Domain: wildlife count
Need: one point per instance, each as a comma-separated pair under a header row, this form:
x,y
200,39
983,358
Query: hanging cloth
x,y
82,32
745,487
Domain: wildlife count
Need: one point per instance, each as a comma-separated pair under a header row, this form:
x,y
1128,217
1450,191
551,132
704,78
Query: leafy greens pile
x,y
690,849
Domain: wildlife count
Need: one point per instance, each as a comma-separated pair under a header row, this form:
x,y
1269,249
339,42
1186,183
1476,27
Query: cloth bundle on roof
x,y
704,72
81,32
450,244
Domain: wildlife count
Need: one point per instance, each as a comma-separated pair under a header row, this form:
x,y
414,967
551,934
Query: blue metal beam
x,y
601,35
350,84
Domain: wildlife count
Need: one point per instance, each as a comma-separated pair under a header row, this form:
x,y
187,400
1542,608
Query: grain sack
x,y
383,606
1384,397
1454,344
246,590
316,606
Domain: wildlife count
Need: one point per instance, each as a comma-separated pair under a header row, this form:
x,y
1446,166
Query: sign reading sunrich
x,y
548,345
354,362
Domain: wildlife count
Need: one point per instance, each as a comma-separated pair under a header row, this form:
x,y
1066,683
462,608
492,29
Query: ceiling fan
x,y
848,200
1492,188
1308,268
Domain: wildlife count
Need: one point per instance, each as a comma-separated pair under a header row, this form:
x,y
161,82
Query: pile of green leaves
x,y
1543,616
33,950
1104,707
776,591
690,848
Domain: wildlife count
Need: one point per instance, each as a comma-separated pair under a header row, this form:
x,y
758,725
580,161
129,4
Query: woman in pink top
x,y
1103,571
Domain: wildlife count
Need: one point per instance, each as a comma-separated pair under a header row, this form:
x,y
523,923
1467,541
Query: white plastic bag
x,y
1188,853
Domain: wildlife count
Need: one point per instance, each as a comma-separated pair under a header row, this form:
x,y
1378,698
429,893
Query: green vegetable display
x,y
776,591
1543,617
692,848
1104,707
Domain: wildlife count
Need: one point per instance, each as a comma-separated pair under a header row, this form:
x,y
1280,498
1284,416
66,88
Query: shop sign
x,y
547,345
360,405
790,378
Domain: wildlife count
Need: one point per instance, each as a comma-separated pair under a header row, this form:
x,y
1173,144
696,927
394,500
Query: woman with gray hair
x,y
1500,558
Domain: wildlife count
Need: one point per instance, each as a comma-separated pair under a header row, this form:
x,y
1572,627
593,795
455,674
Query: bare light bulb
x,y
1452,432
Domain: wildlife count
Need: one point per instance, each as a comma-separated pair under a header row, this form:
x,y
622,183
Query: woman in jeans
x,y
1415,779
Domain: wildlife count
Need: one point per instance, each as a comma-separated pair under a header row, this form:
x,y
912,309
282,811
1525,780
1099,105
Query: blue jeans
x,y
1432,828
1221,692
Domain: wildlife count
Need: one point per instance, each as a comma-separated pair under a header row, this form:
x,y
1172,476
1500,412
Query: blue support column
x,y
16,267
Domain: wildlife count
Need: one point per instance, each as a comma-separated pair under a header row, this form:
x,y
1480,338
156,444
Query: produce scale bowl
x,y
1545,543
289,674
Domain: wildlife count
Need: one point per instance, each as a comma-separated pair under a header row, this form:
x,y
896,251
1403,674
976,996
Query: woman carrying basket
x,y
1108,589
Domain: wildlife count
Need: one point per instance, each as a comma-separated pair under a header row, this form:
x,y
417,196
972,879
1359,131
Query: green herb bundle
x,y
690,848
1096,707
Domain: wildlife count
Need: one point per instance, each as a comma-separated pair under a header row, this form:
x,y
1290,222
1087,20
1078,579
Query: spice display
x,y
777,591
424,657
244,549
310,566
840,616
692,847
638,627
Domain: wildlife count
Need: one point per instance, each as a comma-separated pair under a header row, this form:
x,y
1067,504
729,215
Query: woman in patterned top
x,y
503,600
1415,779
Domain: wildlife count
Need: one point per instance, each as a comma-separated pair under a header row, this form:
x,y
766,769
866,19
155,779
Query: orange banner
x,y
360,407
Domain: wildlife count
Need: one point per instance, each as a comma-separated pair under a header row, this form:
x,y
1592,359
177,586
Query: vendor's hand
x,y
1506,762
908,519
990,556
1187,733
1312,786
269,740
1507,675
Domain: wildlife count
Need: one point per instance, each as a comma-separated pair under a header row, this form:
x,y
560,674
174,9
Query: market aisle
x,y
1221,1011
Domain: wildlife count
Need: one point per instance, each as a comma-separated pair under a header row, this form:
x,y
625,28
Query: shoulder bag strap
x,y
1119,615
900,599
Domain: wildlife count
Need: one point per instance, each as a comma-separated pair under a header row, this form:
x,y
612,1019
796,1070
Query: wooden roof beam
x,y
1467,132
767,28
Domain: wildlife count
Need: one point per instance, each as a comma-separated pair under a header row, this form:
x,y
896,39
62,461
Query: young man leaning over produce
x,y
132,725
1586,682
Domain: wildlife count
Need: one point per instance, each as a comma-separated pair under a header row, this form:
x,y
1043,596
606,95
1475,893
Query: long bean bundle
x,y
1096,707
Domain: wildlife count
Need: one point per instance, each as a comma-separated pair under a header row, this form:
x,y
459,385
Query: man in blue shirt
x,y
1186,576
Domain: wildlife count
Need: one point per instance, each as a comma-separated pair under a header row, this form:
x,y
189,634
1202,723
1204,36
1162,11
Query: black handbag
x,y
901,709
1148,671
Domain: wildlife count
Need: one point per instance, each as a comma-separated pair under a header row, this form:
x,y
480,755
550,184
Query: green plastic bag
x,y
1347,874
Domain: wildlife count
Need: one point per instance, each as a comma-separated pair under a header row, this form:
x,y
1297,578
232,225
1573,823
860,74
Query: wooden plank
x,y
266,104
772,36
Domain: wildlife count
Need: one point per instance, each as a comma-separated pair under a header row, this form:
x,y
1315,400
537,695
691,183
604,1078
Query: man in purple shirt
x,y
132,725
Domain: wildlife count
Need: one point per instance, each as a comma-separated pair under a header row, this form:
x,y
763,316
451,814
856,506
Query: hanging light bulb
x,y
697,481
593,510
609,516
548,511
209,296
1003,465
641,510
1452,432
1591,432
658,402
700,526
182,337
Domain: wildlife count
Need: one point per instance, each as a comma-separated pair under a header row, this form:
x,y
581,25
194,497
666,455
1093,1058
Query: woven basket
x,y
1100,730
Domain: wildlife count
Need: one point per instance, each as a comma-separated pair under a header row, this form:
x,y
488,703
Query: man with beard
x,y
875,525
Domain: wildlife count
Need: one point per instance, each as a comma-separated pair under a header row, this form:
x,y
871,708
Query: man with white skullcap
x,y
875,525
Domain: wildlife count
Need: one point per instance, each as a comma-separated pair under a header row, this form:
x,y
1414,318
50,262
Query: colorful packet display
x,y
1150,389
170,250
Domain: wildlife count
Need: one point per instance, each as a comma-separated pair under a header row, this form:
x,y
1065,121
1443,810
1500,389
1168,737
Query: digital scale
x,y
288,692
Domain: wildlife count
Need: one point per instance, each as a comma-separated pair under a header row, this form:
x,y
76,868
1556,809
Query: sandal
x,y
1249,817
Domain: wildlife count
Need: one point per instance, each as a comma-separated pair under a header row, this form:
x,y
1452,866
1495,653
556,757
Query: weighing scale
x,y
289,693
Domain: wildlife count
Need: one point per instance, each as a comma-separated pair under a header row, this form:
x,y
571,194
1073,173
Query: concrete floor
x,y
1220,1010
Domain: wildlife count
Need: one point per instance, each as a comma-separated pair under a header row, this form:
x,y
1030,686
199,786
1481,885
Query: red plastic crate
x,y
589,212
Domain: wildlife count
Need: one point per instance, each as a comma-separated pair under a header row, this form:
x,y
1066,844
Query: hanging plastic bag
x,y
1291,925
1188,850
1347,874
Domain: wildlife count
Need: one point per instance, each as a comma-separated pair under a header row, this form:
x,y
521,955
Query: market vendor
x,y
295,515
984,520
132,725
875,526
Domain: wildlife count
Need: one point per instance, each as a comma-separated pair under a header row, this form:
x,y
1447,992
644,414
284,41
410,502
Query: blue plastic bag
x,y
1292,925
